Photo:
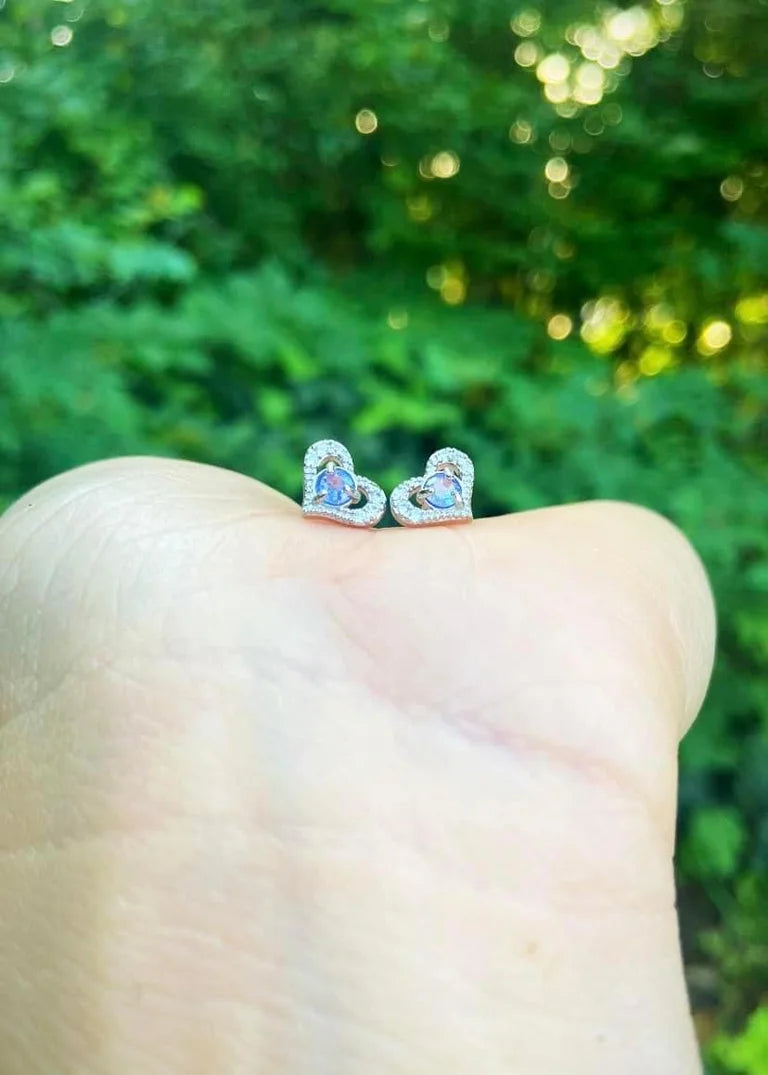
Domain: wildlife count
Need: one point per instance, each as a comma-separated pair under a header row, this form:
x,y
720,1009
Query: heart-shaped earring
x,y
442,495
332,490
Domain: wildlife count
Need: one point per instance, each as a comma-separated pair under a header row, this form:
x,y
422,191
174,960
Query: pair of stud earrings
x,y
332,489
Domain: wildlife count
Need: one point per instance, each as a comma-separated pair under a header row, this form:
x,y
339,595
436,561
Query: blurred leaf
x,y
715,840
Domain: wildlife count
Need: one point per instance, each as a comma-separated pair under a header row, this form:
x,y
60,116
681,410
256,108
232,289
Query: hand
x,y
286,798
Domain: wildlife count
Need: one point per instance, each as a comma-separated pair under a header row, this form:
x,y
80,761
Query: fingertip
x,y
642,563
677,583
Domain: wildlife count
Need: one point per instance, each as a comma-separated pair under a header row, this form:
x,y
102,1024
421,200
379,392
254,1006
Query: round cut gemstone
x,y
337,487
441,490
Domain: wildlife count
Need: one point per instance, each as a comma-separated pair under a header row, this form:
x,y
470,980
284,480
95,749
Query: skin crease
x,y
287,798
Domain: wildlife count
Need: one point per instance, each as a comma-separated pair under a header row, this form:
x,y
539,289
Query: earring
x,y
332,490
442,495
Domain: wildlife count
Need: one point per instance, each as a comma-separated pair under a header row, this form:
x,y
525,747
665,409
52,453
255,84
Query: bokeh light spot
x,y
633,29
398,319
445,164
525,23
453,291
556,92
653,360
605,323
609,56
61,36
590,75
753,309
674,331
522,132
732,188
714,337
553,68
624,24
527,54
559,326
366,121
556,170
425,168
560,141
439,30
436,276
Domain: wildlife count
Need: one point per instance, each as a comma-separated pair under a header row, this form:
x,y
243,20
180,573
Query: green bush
x,y
230,229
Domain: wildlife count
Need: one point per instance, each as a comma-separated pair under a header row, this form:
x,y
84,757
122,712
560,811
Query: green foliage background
x,y
202,255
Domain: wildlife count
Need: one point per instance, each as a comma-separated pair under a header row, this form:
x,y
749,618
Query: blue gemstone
x,y
337,487
441,490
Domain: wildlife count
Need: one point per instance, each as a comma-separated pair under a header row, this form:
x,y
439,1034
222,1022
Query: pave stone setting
x,y
337,493
446,491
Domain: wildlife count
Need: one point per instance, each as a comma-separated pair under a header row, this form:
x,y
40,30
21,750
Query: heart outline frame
x,y
371,511
409,514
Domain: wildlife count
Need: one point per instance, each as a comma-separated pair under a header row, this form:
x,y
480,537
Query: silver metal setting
x,y
368,500
409,505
